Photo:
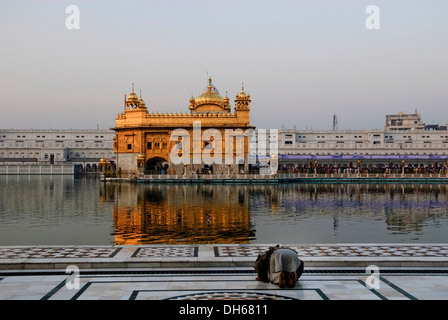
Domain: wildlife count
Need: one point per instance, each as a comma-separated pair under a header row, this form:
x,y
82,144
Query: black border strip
x,y
61,285
403,292
81,291
113,254
54,290
134,255
373,290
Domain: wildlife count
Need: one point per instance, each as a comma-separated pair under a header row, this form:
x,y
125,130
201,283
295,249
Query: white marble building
x,y
35,146
374,146
407,138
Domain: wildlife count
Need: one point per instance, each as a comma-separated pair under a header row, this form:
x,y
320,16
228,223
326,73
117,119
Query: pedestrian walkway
x,y
221,272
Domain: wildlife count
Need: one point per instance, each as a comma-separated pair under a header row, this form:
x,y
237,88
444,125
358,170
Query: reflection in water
x,y
405,209
60,210
53,210
288,213
180,214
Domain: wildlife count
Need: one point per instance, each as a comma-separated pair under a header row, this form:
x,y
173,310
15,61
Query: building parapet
x,y
37,169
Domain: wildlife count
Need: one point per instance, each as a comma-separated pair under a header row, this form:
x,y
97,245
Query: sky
x,y
301,61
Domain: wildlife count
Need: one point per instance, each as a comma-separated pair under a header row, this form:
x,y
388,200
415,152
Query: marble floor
x,y
216,284
221,272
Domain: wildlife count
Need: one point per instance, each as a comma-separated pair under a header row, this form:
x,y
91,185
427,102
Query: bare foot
x,y
292,280
282,281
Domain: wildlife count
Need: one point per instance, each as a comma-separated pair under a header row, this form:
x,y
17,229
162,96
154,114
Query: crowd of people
x,y
342,169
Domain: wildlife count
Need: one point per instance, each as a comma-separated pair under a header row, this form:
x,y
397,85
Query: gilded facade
x,y
144,140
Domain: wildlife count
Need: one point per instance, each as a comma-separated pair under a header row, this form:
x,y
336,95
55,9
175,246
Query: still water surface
x,y
61,210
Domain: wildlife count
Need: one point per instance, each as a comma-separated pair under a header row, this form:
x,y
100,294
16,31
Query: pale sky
x,y
301,61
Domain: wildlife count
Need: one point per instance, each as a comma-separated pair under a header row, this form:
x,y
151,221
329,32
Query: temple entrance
x,y
156,165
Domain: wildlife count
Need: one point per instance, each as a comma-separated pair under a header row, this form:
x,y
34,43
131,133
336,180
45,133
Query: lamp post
x,y
315,167
402,167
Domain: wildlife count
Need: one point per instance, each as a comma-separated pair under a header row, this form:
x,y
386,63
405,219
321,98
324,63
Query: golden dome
x,y
210,95
242,94
132,96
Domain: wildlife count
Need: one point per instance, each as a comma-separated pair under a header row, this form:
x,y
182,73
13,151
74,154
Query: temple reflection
x,y
180,214
202,213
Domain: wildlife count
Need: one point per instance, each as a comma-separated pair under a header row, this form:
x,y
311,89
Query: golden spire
x,y
141,101
242,94
192,101
210,84
132,96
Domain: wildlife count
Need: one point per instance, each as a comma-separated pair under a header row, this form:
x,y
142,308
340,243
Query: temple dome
x,y
207,97
211,94
242,94
132,96
210,101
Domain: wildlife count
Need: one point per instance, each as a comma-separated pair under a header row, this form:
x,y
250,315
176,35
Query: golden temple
x,y
144,140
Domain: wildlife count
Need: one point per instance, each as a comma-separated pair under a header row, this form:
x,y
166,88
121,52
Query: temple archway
x,y
156,165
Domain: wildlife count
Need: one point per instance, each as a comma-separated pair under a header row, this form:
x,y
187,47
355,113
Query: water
x,y
61,210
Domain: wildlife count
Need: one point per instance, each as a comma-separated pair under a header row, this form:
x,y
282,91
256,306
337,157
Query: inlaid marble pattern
x,y
57,252
342,250
230,296
223,251
176,251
